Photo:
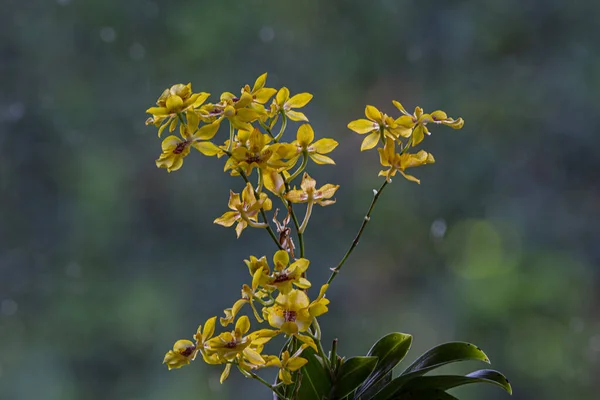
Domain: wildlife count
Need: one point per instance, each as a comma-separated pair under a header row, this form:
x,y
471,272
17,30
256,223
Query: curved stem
x,y
309,207
283,126
266,128
231,131
366,220
317,338
300,168
261,380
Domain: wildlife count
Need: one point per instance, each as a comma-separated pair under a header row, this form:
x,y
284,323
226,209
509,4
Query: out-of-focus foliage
x,y
104,258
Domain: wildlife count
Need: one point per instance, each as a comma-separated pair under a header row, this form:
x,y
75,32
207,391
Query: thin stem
x,y
283,126
231,131
294,218
266,128
309,207
261,380
317,338
366,220
264,215
301,168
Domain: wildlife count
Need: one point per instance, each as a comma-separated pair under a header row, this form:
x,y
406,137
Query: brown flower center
x,y
289,315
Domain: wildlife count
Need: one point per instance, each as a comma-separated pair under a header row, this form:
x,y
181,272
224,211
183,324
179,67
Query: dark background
x,y
106,260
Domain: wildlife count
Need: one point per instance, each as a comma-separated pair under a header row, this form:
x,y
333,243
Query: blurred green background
x,y
106,260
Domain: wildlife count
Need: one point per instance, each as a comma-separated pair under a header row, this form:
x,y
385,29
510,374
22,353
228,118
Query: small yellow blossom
x,y
379,125
177,99
293,312
175,149
234,346
399,162
287,364
420,121
310,194
248,296
245,210
285,105
285,277
184,351
255,152
316,150
260,94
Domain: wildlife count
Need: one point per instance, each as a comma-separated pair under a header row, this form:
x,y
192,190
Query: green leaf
x,y
434,394
316,380
351,374
445,382
374,388
389,350
445,354
436,357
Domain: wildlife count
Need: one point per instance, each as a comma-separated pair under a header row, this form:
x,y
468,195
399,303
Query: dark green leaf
x,y
444,354
376,387
445,382
438,356
389,350
316,380
351,374
434,394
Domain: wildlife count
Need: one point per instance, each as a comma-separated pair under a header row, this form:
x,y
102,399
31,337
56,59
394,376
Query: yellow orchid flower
x,y
175,149
249,294
254,151
287,364
235,347
311,195
420,121
184,351
245,210
399,162
285,277
379,125
316,150
290,312
293,312
177,99
285,105
260,95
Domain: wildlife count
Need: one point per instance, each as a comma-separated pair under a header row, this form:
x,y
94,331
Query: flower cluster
x,y
255,150
406,131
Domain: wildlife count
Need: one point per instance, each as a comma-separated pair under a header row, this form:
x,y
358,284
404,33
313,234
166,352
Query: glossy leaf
x,y
436,357
445,354
374,388
316,380
351,374
434,394
389,350
445,382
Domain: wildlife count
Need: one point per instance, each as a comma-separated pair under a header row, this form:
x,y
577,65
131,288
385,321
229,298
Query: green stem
x,y
317,338
283,126
301,168
261,380
231,132
266,128
294,219
262,212
366,220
